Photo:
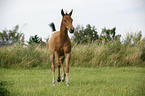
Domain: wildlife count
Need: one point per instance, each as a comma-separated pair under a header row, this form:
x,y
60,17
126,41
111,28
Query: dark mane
x,y
66,13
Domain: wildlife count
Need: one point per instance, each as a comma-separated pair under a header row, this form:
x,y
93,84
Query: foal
x,y
60,46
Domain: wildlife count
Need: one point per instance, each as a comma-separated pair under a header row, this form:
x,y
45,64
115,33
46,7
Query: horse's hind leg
x,y
58,65
52,67
63,74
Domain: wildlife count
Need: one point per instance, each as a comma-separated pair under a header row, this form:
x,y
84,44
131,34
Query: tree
x,y
34,39
82,35
133,38
109,35
12,35
37,40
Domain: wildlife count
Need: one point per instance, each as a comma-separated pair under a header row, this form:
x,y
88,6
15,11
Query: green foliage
x,y
98,81
133,39
84,36
12,35
3,90
109,35
110,51
143,50
89,34
36,40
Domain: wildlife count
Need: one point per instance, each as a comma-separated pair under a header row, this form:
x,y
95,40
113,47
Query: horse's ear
x,y
71,12
62,12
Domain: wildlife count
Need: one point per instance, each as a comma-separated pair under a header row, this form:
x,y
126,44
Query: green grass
x,y
97,81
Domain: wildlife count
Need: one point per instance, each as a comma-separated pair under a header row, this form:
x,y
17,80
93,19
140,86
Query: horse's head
x,y
67,21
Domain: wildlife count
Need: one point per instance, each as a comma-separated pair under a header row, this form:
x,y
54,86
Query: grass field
x,y
97,81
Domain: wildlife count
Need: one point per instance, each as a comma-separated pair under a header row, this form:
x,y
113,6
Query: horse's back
x,y
52,40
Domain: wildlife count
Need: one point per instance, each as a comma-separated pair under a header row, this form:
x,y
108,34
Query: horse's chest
x,y
64,49
61,51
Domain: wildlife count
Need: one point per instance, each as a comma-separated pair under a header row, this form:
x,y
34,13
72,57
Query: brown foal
x,y
60,46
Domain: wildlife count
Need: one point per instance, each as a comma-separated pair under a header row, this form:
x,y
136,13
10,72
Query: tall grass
x,y
18,56
114,53
111,54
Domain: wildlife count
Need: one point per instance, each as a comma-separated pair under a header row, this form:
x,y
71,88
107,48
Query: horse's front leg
x,y
52,67
63,74
67,56
58,65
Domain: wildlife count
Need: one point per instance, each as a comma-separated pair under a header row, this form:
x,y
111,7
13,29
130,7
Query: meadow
x,y
96,69
97,81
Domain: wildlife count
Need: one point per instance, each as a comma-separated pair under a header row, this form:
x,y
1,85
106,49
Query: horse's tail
x,y
52,26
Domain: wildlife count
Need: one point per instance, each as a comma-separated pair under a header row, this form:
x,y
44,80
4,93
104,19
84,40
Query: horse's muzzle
x,y
71,30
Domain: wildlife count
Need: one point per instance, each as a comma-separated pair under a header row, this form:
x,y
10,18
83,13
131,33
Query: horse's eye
x,y
64,20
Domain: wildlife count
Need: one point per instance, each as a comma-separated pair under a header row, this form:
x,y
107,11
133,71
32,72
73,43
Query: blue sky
x,y
33,16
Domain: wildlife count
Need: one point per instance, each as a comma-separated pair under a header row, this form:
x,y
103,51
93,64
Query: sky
x,y
33,16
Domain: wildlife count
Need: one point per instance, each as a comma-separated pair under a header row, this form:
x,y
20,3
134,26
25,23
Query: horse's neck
x,y
63,33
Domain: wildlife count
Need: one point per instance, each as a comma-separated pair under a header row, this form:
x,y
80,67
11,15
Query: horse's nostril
x,y
71,30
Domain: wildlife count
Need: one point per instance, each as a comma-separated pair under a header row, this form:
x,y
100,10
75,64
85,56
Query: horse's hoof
x,y
53,83
58,80
63,80
67,84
